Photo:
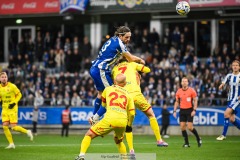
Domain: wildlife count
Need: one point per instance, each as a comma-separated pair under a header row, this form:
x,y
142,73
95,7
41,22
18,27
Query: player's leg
x,y
155,127
235,121
194,131
102,79
92,133
85,144
87,141
122,148
118,138
184,134
227,115
97,103
183,122
22,130
15,127
142,104
8,135
129,139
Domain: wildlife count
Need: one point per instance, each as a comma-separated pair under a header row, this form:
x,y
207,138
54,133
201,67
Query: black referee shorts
x,y
185,115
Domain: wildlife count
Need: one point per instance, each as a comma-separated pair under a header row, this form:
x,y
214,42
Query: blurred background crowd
x,y
54,68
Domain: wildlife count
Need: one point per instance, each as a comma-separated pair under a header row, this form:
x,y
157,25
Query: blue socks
x,y
97,104
236,123
225,127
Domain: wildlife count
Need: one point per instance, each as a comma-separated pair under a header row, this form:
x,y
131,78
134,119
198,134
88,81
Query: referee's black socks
x,y
185,135
194,131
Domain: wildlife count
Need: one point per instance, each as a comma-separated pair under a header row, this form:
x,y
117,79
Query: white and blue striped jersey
x,y
234,83
109,53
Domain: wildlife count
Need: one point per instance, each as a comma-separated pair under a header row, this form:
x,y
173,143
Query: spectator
x,y
165,121
53,101
67,45
76,61
47,41
75,43
85,48
38,47
66,99
76,100
35,114
60,61
38,99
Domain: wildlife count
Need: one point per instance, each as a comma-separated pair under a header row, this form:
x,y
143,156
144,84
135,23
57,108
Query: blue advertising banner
x,y
73,5
50,116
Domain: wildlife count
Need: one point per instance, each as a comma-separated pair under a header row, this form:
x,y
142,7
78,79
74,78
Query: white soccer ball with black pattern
x,y
183,8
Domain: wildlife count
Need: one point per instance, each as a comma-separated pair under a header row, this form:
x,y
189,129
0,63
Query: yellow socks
x,y
129,138
8,134
121,148
85,144
155,128
19,129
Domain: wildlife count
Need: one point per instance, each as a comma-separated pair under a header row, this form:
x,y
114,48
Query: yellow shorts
x,y
10,116
106,125
141,102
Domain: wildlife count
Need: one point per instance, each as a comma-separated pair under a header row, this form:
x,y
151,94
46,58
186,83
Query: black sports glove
x,y
10,106
128,129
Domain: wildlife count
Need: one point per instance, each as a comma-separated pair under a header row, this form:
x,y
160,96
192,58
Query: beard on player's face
x,y
4,81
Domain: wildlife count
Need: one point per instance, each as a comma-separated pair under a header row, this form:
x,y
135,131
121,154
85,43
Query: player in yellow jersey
x,y
120,113
10,95
130,70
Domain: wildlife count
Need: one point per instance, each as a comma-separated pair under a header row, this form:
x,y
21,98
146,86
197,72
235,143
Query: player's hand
x,y
193,113
142,61
128,129
174,114
10,106
221,86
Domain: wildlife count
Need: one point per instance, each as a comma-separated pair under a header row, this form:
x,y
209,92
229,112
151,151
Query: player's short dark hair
x,y
122,30
185,78
122,59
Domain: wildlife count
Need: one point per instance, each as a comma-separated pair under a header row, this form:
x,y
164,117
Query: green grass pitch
x,y
55,147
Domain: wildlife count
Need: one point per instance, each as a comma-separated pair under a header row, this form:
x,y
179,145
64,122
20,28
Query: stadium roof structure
x,y
31,8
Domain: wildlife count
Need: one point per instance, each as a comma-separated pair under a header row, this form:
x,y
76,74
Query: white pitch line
x,y
101,144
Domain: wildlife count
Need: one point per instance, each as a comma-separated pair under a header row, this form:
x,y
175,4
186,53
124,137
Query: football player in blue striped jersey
x,y
233,81
114,48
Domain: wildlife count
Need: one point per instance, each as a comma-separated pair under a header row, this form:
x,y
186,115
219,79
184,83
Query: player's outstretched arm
x,y
143,68
132,58
175,108
221,86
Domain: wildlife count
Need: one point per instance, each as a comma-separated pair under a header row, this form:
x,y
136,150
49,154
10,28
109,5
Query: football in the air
x,y
183,8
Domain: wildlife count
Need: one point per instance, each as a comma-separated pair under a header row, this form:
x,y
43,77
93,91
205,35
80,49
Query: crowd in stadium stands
x,y
58,67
